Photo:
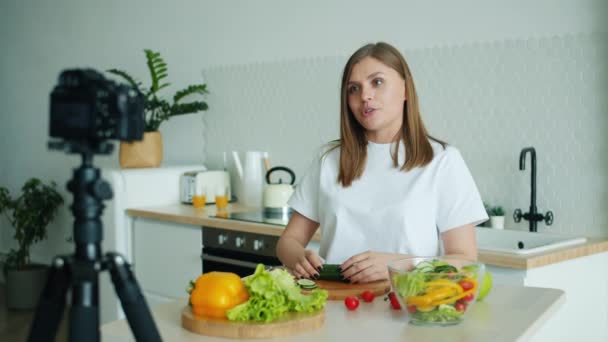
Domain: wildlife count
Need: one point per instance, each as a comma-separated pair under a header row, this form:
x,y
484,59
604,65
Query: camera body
x,y
86,106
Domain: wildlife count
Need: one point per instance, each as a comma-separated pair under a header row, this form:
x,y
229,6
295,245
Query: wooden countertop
x,y
186,214
507,314
525,262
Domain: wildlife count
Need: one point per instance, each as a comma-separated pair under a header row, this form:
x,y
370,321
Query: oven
x,y
237,252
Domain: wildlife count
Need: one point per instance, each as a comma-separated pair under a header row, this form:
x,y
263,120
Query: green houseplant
x,y
30,214
497,211
497,217
148,152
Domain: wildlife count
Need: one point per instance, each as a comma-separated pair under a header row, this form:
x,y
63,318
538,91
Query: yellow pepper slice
x,y
458,296
430,297
425,308
445,283
438,290
452,299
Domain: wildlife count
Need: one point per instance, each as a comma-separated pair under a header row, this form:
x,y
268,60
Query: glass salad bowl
x,y
437,290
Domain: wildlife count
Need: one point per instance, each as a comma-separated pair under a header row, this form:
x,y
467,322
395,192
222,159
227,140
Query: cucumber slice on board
x,y
306,284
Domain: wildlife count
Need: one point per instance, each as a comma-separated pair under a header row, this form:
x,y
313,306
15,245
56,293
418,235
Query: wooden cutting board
x,y
340,290
291,323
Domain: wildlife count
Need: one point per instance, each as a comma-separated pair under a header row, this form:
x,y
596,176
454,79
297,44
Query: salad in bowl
x,y
438,290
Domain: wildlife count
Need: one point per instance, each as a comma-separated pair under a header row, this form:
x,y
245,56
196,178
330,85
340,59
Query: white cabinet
x,y
132,188
584,314
166,256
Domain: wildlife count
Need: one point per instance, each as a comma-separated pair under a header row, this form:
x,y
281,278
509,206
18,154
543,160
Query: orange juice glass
x,y
199,201
221,201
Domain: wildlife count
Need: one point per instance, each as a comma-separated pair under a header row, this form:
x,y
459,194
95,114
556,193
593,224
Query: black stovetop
x,y
258,217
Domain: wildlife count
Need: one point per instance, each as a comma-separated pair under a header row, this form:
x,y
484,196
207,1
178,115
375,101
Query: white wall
x,y
206,40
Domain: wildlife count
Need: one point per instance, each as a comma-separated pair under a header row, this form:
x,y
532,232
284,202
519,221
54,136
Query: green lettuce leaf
x,y
410,284
272,294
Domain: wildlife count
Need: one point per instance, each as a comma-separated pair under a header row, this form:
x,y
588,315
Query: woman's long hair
x,y
353,140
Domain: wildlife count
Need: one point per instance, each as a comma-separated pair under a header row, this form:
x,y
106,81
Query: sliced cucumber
x,y
425,267
306,284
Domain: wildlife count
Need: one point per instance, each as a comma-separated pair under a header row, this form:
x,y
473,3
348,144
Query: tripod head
x,y
89,191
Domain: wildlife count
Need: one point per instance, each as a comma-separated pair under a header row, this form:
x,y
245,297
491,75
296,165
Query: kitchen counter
x,y
186,214
509,313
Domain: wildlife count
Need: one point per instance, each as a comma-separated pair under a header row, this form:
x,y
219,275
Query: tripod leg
x,y
84,313
133,302
51,304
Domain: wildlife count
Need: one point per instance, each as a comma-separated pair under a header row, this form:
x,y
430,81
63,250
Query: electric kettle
x,y
250,178
278,193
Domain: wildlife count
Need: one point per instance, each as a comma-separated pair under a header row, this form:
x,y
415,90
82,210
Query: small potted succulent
x,y
497,217
149,151
30,214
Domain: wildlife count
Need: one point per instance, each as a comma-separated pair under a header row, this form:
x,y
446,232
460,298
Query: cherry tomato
x,y
411,309
466,285
460,306
368,296
468,297
351,303
394,301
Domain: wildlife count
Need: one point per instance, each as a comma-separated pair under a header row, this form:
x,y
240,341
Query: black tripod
x,y
80,271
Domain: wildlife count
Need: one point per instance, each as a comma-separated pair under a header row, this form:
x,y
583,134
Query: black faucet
x,y
533,216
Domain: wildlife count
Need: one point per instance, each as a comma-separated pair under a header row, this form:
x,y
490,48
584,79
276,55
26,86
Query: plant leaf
x,y
157,67
163,86
192,89
187,108
135,84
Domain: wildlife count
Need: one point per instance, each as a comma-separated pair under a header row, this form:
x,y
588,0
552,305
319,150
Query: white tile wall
x,y
488,99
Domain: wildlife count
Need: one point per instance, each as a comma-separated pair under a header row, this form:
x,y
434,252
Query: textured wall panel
x,y
488,99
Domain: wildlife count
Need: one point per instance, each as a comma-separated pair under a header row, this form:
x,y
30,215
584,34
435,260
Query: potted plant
x,y
30,214
497,217
149,151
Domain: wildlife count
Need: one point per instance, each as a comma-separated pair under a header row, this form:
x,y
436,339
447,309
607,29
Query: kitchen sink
x,y
522,242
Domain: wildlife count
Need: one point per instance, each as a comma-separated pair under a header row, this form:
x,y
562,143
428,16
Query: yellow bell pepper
x,y
216,292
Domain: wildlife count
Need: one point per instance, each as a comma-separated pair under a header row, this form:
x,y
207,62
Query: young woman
x,y
386,189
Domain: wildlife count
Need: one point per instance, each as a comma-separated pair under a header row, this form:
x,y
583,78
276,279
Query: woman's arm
x,y
291,247
461,242
371,266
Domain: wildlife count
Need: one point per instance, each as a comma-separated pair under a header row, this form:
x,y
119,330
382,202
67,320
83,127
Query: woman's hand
x,y
307,265
291,250
368,266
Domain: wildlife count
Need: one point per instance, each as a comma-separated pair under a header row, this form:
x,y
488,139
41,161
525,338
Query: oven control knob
x,y
222,238
258,244
240,242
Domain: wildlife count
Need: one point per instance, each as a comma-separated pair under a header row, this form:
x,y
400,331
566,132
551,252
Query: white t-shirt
x,y
388,210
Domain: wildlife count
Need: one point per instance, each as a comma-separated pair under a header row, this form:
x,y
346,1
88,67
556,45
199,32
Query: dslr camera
x,y
86,106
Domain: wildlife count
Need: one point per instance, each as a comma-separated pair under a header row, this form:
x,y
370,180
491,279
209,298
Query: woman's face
x,y
376,94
